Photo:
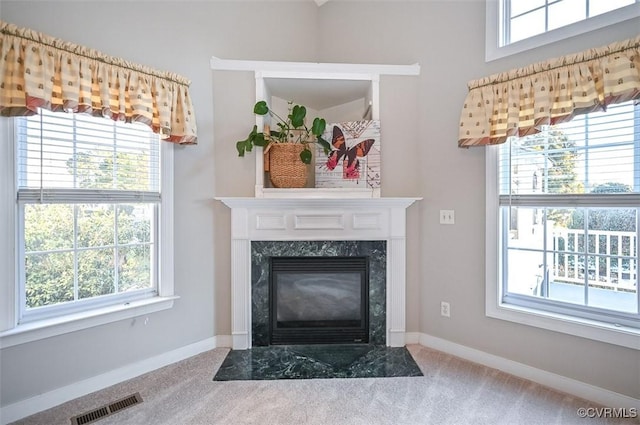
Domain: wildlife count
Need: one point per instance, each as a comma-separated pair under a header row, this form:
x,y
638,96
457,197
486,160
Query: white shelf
x,y
313,84
322,87
321,193
312,67
360,205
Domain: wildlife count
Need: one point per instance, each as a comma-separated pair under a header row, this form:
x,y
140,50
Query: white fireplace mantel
x,y
295,219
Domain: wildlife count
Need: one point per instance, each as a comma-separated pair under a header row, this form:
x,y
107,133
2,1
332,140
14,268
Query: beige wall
x,y
419,125
447,39
180,37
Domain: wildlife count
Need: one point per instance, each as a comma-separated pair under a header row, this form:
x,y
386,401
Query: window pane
x,y
49,278
525,257
48,227
588,257
526,26
96,273
526,273
134,269
520,6
612,272
566,12
95,225
516,20
597,7
571,289
134,223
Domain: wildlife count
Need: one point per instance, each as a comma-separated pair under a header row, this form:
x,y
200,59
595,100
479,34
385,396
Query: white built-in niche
x,y
337,92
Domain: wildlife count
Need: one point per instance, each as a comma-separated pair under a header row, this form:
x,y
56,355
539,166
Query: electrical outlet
x,y
447,217
445,309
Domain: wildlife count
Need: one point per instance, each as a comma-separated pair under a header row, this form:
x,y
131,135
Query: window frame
x,y
493,29
522,313
14,333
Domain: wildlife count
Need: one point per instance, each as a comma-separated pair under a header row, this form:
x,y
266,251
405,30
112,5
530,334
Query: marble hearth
x,y
373,227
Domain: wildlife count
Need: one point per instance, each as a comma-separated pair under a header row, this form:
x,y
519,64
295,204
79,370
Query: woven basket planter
x,y
286,170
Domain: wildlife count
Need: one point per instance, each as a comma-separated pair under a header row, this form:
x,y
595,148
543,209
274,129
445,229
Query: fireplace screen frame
x,y
325,331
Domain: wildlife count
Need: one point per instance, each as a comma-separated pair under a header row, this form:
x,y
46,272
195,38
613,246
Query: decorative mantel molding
x,y
282,219
308,202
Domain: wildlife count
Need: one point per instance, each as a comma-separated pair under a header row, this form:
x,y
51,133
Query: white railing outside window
x,y
614,267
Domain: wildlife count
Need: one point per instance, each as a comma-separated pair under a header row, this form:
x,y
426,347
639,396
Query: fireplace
x,y
318,300
325,224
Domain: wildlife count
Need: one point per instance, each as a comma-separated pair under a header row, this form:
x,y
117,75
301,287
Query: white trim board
x,y
312,68
558,382
24,408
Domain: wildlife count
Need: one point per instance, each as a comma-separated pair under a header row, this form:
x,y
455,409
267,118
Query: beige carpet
x,y
453,391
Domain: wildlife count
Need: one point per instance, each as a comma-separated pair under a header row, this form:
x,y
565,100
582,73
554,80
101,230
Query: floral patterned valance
x,y
518,102
39,71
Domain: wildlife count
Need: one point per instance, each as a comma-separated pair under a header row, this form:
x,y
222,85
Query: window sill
x,y
599,331
41,329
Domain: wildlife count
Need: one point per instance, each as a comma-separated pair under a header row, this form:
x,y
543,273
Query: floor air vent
x,y
104,411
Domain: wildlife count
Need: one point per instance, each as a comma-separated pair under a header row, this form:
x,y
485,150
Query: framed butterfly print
x,y
354,161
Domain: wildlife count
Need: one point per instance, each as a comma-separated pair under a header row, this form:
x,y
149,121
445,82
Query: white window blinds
x,y
63,156
596,153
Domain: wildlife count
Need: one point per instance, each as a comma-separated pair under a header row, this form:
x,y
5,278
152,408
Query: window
x,y
516,25
92,206
525,19
568,218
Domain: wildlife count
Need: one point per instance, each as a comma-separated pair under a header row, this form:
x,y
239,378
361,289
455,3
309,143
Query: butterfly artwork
x,y
350,155
354,161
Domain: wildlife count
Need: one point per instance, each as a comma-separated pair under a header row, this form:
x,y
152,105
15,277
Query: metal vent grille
x,y
104,411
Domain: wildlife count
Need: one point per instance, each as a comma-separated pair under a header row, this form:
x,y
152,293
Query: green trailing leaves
x,y
319,124
297,115
305,156
241,147
259,140
325,145
291,130
261,108
254,138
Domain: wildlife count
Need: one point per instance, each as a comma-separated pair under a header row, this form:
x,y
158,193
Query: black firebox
x,y
319,300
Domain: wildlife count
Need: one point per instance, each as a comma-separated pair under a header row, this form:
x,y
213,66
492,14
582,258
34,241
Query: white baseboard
x,y
561,383
24,408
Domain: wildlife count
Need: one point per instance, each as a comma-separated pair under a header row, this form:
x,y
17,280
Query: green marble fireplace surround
x,y
262,251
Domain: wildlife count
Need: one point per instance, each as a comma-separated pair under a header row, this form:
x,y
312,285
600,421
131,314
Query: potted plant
x,y
288,146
